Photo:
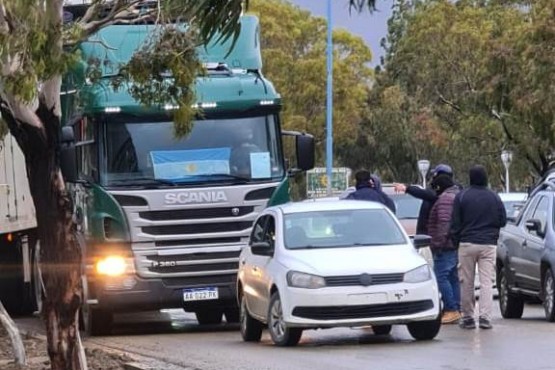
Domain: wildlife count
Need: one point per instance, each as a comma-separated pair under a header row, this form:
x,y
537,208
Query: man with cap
x,y
368,187
428,196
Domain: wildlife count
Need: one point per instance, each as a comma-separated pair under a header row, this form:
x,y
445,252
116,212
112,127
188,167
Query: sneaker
x,y
450,317
467,323
485,323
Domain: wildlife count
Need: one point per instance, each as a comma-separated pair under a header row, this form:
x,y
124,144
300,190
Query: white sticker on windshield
x,y
260,165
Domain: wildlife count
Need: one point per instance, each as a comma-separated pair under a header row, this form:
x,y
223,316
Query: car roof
x,y
330,205
515,196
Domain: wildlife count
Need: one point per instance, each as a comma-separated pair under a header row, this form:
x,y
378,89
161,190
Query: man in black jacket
x,y
478,214
368,187
428,196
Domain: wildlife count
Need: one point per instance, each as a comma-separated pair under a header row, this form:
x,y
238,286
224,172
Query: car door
x,y
260,270
533,247
515,244
247,261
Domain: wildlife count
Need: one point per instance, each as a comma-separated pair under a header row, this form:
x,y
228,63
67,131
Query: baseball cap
x,y
442,168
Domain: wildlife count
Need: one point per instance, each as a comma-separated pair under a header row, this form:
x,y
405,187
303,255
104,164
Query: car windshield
x,y
341,228
407,206
215,150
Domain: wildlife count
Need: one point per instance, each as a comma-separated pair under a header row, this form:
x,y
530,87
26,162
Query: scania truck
x,y
164,218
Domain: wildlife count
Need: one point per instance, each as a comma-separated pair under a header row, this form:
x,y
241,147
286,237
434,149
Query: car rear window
x,y
341,228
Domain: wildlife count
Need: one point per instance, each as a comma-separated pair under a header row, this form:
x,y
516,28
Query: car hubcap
x,y
276,320
549,294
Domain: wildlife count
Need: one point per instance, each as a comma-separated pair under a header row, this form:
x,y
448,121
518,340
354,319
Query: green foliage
x,y
464,80
294,53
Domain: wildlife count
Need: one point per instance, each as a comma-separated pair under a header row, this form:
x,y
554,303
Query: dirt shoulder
x,y
37,357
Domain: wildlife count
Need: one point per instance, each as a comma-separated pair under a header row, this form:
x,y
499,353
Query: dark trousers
x,y
445,267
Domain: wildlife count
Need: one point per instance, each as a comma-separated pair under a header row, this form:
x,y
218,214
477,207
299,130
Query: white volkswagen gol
x,y
330,264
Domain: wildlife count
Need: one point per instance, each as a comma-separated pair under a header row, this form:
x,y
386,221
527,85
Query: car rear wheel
x,y
510,305
424,330
251,329
549,296
382,329
209,317
281,334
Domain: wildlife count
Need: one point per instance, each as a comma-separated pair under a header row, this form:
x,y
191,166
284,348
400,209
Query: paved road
x,y
175,337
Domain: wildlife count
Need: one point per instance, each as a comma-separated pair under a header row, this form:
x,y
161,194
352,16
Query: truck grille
x,y
195,214
197,228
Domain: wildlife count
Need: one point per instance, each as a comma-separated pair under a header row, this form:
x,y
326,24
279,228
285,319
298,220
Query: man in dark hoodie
x,y
478,215
368,187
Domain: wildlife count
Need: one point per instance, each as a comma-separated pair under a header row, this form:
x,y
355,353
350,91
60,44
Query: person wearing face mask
x,y
443,250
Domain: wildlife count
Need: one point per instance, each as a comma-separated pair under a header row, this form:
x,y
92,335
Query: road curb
x,y
136,366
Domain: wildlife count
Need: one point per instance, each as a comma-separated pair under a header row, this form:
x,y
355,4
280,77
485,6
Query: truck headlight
x,y
418,275
301,280
114,266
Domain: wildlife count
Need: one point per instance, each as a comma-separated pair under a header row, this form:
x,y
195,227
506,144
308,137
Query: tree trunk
x,y
17,343
60,253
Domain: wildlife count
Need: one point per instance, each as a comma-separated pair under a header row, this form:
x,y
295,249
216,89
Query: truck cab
x,y
163,217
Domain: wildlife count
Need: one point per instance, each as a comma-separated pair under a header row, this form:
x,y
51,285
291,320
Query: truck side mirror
x,y
68,156
305,151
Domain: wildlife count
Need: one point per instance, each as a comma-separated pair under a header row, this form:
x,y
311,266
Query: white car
x,y
334,264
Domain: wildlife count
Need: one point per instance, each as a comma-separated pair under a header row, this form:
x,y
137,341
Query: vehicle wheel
x,y
209,317
232,315
549,296
96,321
282,335
32,293
424,330
382,329
510,305
251,329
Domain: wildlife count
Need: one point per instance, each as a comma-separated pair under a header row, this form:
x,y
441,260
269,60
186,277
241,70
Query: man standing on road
x,y
443,249
478,215
368,187
428,196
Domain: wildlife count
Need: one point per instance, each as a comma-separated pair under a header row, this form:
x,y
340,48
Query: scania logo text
x,y
217,196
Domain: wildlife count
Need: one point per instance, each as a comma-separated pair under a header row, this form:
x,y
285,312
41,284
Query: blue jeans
x,y
445,267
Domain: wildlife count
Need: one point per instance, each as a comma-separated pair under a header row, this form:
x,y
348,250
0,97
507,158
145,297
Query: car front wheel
x,y
424,330
510,305
549,296
281,334
251,329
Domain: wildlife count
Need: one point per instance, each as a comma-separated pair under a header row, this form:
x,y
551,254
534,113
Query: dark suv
x,y
526,255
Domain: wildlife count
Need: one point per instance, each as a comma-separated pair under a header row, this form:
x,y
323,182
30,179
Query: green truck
x,y
164,218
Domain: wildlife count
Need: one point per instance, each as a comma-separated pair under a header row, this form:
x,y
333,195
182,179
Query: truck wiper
x,y
229,176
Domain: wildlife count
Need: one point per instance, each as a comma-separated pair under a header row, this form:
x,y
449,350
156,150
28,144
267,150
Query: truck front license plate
x,y
200,294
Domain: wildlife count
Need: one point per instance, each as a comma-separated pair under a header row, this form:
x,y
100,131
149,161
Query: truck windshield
x,y
233,149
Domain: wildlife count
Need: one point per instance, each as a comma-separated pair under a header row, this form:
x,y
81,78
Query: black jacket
x,y
372,194
478,213
428,197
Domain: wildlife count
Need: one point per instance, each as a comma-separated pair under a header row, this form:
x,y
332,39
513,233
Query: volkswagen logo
x,y
365,279
235,211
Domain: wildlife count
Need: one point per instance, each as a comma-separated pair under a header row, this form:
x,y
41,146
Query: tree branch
x,y
122,11
449,103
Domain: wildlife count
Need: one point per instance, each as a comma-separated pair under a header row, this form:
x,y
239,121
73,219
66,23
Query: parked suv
x,y
526,255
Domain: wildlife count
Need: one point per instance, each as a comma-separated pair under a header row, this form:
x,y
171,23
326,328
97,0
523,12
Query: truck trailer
x,y
162,218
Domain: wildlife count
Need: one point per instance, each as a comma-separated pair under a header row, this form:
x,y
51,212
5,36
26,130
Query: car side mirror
x,y
534,225
305,151
262,249
421,241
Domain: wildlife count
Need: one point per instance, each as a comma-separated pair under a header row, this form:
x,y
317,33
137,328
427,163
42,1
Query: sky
x,y
371,27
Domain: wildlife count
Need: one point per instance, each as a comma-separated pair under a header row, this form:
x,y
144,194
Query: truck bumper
x,y
132,293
